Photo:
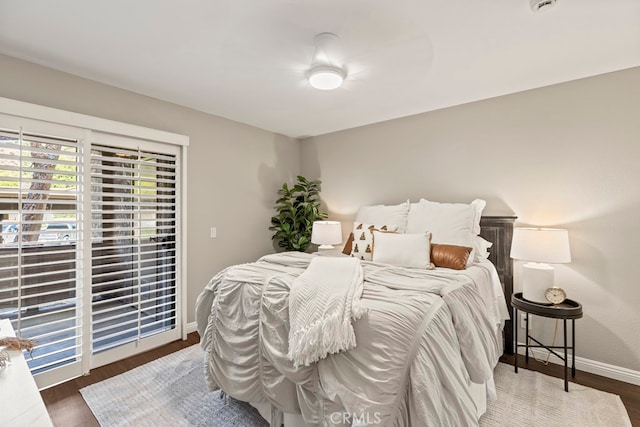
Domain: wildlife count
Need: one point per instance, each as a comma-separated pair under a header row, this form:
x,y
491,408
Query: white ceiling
x,y
246,60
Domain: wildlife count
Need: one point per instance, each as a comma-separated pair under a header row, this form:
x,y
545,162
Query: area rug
x,y
171,391
531,399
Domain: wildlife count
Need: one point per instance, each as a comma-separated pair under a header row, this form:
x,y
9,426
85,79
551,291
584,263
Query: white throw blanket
x,y
323,301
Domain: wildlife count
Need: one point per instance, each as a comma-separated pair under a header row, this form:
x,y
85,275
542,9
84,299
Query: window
x,y
90,249
39,188
133,231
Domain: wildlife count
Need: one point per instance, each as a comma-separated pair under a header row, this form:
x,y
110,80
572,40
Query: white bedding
x,y
426,336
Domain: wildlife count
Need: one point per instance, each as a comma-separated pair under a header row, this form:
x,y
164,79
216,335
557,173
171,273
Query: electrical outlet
x,y
523,321
214,233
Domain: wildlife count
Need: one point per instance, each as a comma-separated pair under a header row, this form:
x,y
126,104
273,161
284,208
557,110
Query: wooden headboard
x,y
499,231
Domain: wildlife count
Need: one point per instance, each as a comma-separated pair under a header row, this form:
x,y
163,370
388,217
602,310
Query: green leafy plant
x,y
297,208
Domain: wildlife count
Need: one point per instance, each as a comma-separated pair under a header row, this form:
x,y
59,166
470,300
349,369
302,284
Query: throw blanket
x,y
323,301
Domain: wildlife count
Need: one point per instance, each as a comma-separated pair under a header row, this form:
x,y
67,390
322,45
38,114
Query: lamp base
x,y
536,279
326,247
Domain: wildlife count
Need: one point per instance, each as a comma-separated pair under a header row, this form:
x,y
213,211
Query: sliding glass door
x,y
40,192
133,244
89,263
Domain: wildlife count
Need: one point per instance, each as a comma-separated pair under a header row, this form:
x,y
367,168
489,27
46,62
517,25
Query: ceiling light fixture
x,y
326,78
326,72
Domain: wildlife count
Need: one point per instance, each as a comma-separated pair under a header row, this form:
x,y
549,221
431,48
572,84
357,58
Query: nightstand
x,y
566,310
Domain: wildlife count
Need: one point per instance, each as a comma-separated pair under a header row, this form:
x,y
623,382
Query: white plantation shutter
x,y
92,237
133,239
40,194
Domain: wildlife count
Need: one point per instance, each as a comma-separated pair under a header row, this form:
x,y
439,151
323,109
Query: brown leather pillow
x,y
348,245
450,256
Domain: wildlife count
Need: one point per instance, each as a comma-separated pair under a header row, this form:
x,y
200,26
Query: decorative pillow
x,y
395,215
362,246
347,246
450,256
449,223
403,250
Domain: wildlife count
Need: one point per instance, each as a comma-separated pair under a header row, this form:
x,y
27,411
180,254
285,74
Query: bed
x,y
426,340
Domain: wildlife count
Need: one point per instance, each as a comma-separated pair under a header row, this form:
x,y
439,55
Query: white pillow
x,y
362,245
449,223
481,248
395,215
478,205
403,250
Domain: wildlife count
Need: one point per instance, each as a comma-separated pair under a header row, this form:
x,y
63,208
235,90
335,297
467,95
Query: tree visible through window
x,y
39,188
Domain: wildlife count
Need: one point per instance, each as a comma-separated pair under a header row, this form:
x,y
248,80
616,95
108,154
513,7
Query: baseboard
x,y
192,327
592,366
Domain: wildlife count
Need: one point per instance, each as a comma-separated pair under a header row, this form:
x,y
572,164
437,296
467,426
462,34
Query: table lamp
x,y
541,247
326,234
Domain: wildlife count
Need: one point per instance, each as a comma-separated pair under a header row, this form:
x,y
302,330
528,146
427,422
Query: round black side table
x,y
566,310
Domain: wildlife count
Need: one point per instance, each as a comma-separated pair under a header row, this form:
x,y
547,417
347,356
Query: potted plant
x,y
297,208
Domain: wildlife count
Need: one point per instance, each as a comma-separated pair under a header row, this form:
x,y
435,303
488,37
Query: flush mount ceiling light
x,y
326,73
326,78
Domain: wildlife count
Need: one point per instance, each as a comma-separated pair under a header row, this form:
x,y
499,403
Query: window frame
x,y
90,129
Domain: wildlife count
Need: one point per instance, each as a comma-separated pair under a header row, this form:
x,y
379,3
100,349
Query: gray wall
x,y
565,156
234,170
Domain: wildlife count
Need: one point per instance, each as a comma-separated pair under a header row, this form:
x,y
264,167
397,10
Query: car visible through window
x,y
58,231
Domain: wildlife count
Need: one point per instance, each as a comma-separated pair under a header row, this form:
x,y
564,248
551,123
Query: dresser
x,y
20,401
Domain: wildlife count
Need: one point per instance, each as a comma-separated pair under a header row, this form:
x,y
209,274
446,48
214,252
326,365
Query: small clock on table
x,y
555,295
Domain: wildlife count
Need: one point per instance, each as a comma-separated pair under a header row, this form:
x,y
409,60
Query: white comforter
x,y
426,334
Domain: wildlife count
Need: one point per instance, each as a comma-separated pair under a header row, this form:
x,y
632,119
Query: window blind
x,y
40,187
133,251
89,248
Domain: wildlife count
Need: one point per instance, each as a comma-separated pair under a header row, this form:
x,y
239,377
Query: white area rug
x,y
171,391
532,399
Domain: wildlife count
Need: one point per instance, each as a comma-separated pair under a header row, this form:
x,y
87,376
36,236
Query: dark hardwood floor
x,y
67,408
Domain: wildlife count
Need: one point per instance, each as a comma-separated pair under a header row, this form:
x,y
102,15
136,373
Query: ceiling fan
x,y
336,61
327,71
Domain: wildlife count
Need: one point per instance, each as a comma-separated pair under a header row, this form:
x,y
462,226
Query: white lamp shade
x,y
544,245
326,233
